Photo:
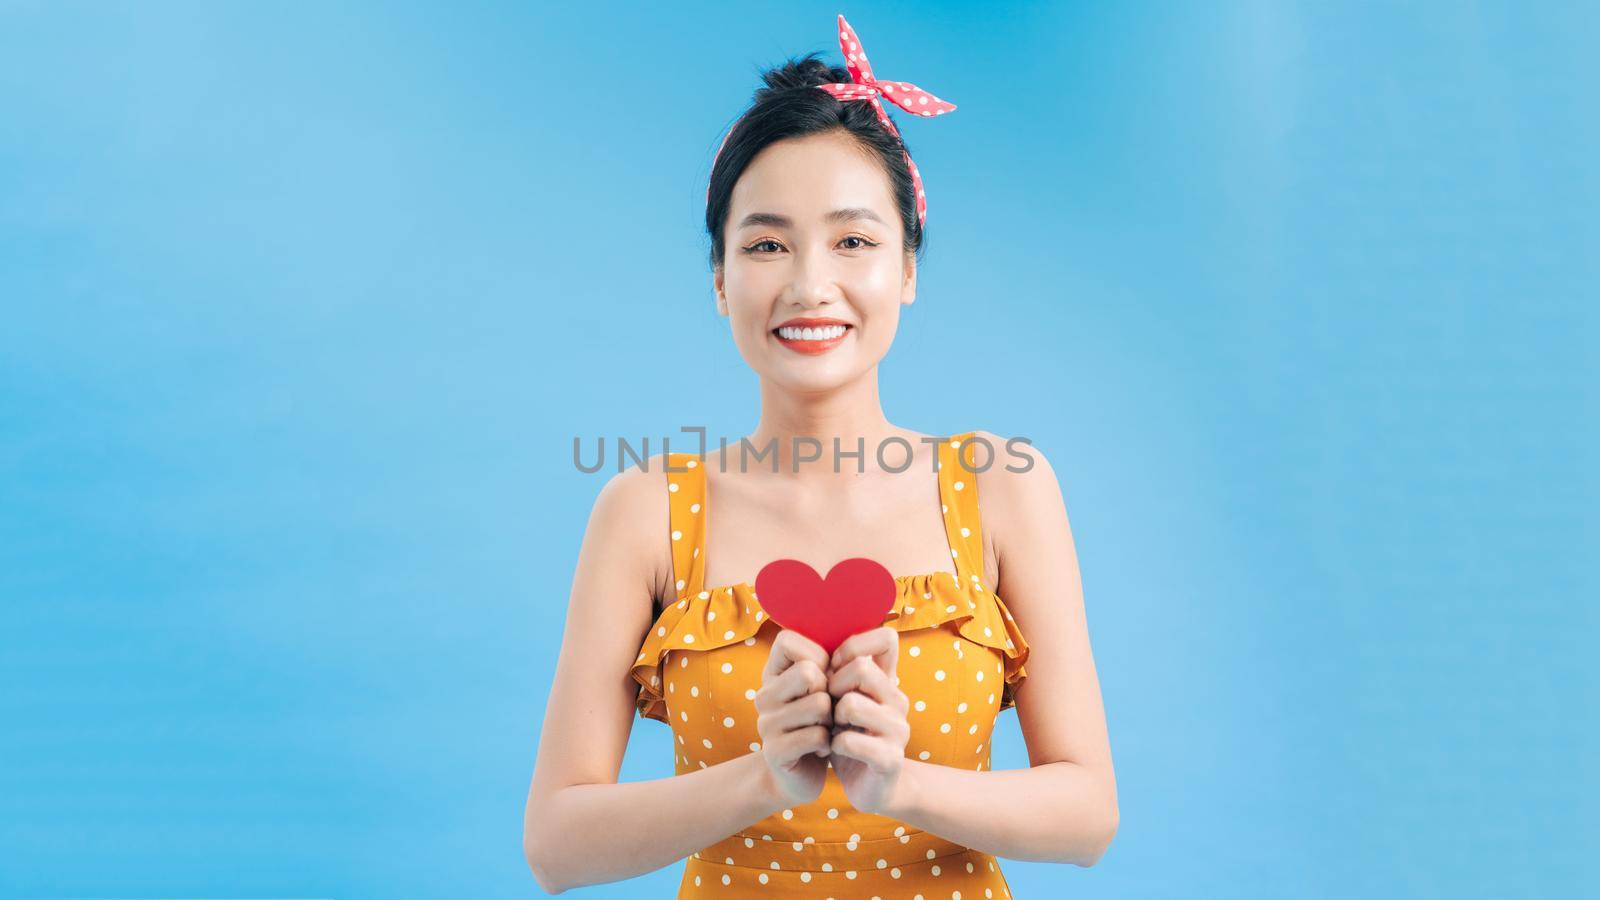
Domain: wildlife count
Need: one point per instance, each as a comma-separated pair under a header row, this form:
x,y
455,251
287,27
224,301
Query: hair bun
x,y
806,72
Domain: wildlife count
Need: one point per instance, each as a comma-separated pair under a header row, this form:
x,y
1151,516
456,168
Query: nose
x,y
812,283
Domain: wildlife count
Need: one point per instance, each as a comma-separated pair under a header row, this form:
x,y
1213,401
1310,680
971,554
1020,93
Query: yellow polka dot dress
x,y
961,659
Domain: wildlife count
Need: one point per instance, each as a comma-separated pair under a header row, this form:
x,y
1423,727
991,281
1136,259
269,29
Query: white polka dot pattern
x,y
961,660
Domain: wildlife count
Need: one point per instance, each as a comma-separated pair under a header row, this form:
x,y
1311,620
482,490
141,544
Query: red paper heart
x,y
856,596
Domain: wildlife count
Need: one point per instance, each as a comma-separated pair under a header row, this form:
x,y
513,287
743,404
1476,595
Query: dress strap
x,y
958,498
686,498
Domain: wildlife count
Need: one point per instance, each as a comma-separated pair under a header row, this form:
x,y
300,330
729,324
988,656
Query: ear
x,y
908,289
722,297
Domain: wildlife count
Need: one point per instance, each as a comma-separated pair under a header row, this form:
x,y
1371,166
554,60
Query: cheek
x,y
884,278
879,294
749,291
745,319
880,331
880,305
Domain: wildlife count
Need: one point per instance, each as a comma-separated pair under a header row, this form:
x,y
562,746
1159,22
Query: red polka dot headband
x,y
862,85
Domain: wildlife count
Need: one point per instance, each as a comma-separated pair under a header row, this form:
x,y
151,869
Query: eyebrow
x,y
848,214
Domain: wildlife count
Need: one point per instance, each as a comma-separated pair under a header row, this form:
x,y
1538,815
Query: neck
x,y
852,414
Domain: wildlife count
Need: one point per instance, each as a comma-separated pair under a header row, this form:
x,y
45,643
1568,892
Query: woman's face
x,y
813,233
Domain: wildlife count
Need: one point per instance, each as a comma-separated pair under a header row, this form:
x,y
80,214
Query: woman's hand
x,y
869,715
794,716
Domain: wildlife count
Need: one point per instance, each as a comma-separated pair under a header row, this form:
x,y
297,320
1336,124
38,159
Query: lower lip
x,y
812,348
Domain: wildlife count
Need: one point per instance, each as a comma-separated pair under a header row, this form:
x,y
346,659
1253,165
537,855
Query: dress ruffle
x,y
723,616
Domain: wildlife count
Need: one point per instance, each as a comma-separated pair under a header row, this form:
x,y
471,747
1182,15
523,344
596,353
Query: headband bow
x,y
863,85
903,94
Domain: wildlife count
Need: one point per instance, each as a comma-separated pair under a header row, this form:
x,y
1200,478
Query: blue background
x,y
304,304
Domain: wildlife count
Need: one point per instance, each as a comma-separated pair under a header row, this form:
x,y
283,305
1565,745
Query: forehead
x,y
804,178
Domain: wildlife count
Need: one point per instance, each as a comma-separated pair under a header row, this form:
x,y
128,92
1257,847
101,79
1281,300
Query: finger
x,y
788,648
881,644
786,749
857,710
862,674
873,751
812,709
799,679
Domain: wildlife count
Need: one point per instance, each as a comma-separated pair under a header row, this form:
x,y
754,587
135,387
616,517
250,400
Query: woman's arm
x,y
595,833
1052,812
580,827
1063,808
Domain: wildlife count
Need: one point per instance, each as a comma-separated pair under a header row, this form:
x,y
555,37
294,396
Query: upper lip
x,y
810,323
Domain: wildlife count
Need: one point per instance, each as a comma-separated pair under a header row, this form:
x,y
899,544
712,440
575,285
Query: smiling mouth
x,y
811,341
827,331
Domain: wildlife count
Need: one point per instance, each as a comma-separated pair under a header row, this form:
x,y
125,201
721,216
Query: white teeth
x,y
811,334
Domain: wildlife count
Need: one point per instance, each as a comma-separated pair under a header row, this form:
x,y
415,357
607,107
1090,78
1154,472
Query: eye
x,y
862,244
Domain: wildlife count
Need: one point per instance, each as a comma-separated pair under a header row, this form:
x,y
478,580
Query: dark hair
x,y
791,106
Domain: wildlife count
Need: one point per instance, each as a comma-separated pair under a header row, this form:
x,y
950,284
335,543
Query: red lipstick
x,y
816,345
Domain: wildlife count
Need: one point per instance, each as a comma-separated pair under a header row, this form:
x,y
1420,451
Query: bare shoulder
x,y
1017,469
629,521
1020,492
631,494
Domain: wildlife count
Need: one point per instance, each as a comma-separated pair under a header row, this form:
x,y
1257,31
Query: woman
x,y
799,773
